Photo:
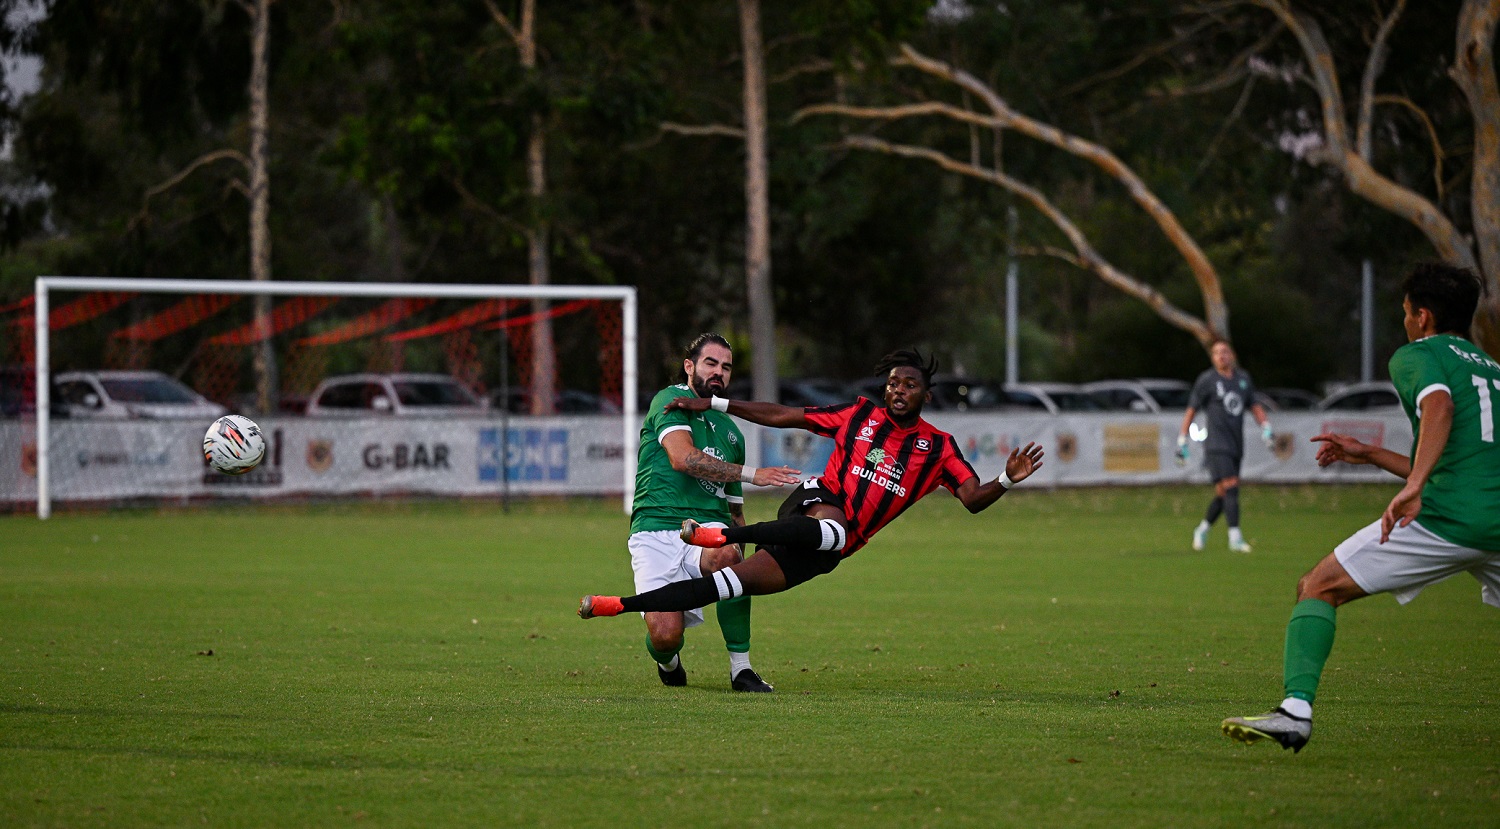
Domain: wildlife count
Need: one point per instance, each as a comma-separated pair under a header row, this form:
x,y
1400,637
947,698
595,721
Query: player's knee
x,y
714,559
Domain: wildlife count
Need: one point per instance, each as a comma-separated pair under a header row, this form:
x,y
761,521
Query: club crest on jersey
x,y
713,488
923,445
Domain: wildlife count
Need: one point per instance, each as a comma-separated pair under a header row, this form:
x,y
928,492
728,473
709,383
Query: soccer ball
x,y
234,445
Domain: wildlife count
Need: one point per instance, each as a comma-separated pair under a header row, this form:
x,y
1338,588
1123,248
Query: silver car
x,y
402,394
127,394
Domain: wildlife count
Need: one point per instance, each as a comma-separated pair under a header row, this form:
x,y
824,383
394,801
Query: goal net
x,y
361,389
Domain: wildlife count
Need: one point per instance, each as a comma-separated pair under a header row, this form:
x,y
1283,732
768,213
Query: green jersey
x,y
664,496
1461,501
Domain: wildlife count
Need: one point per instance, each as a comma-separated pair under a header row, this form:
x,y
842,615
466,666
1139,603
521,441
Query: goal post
x,y
47,286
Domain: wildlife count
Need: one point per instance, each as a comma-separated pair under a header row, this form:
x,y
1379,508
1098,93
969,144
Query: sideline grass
x,y
1060,660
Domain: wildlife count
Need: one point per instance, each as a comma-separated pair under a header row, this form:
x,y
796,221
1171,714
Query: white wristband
x,y
1005,481
718,403
747,472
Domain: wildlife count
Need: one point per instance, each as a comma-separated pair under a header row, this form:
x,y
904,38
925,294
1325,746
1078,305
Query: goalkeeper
x,y
1222,394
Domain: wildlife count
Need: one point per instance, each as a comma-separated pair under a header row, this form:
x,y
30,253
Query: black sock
x,y
796,531
1232,505
689,594
1215,507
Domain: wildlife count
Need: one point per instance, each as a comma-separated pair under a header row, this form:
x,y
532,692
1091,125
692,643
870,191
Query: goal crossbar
x,y
624,294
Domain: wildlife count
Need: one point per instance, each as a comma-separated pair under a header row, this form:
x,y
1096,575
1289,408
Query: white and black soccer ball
x,y
234,445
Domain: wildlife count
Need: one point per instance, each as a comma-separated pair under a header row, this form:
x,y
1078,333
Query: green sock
x,y
734,621
662,658
1309,640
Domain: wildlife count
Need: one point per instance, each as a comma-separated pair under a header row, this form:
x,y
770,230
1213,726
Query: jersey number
x,y
1486,408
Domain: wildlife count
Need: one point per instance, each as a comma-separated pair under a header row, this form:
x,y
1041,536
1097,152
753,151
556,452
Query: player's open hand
x,y
1023,461
1338,447
777,476
688,404
1403,508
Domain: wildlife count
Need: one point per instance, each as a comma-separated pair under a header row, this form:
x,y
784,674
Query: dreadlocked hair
x,y
910,358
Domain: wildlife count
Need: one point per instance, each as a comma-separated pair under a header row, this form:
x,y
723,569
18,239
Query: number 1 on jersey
x,y
1486,408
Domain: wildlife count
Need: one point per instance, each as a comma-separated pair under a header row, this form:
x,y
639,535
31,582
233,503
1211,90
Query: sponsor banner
x,y
94,460
100,460
1126,448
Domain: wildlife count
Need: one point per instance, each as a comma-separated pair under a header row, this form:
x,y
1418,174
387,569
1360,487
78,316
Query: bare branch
x,y
503,21
1374,65
1054,252
1363,179
1203,271
181,176
1437,145
1233,72
1088,257
1155,50
704,129
810,68
478,205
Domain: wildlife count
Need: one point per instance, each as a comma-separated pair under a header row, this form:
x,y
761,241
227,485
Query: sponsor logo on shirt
x,y
883,471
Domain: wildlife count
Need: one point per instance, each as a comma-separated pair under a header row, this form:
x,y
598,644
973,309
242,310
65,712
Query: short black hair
x,y
911,358
695,348
1451,293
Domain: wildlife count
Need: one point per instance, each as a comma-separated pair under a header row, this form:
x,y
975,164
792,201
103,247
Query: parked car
x,y
1145,394
401,394
1053,398
1286,400
1361,397
961,394
126,394
567,401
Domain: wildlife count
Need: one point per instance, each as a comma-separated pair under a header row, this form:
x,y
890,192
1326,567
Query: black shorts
x,y
1221,465
803,565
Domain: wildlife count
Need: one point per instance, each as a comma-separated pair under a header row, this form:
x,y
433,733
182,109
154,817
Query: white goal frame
x,y
624,294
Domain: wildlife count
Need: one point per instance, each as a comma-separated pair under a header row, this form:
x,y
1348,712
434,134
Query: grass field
x,y
1061,660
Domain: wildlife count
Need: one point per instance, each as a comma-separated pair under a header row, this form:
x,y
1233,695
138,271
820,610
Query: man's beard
x,y
701,387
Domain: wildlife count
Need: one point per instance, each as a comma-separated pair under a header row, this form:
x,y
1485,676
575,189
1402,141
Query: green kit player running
x,y
1445,520
692,465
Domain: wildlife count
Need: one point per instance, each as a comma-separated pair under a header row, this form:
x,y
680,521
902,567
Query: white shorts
x,y
1412,558
662,557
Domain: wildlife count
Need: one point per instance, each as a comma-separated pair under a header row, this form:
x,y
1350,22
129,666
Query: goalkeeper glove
x,y
1182,450
1267,435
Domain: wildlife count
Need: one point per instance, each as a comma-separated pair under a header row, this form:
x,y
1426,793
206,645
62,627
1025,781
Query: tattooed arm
x,y
690,460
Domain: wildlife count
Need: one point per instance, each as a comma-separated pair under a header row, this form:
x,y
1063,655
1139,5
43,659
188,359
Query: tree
x,y
1347,149
1002,116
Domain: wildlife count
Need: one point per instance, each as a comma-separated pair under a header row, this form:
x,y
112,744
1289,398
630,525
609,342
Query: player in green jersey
x,y
1445,520
693,465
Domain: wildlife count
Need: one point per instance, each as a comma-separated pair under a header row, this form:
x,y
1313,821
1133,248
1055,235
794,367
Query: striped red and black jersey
x,y
880,468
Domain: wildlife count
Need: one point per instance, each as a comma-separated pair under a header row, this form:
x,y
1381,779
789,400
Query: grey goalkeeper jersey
x,y
1223,400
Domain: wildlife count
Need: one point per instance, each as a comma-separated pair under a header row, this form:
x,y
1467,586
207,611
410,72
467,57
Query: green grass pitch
x,y
1063,659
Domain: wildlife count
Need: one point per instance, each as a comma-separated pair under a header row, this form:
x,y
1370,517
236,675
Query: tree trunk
x,y
757,208
1474,70
538,262
260,205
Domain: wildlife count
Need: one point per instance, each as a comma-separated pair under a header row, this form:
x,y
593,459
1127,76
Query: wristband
x,y
718,404
1005,482
747,472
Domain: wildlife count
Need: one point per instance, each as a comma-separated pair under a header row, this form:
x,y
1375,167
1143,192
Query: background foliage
x,y
399,127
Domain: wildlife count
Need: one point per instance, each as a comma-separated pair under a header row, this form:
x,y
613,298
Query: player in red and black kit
x,y
885,459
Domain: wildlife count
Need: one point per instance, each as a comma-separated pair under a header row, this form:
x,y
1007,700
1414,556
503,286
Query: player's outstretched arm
x,y
1023,461
765,414
1336,447
690,460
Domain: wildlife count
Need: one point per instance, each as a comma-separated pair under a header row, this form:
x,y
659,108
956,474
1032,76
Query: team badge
x,y
1067,447
923,445
319,455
